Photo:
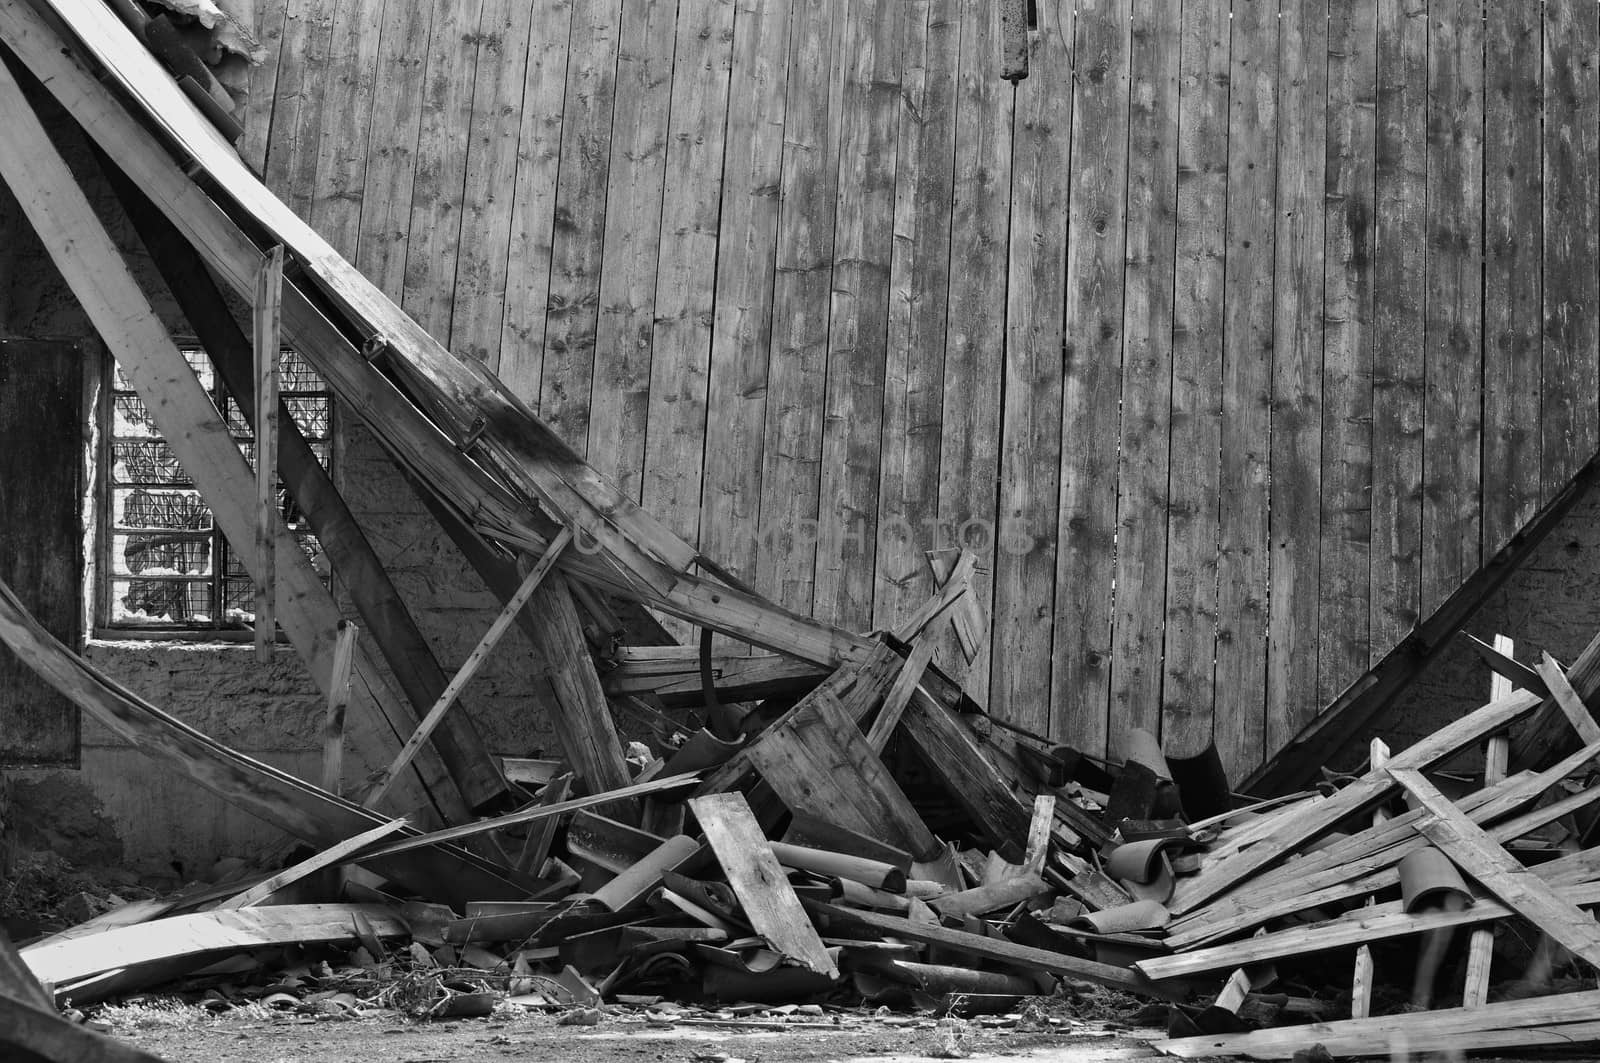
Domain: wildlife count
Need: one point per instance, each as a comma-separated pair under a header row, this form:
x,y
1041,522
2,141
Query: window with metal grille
x,y
165,565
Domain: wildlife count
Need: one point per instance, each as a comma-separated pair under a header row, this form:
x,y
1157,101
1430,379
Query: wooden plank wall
x,y
1233,338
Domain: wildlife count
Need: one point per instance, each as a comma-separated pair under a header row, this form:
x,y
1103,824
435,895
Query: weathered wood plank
x,y
1452,542
332,856
1247,360
1188,696
1513,216
741,335
1343,625
858,309
1143,460
297,113
1294,511
620,406
1030,430
1571,331
1400,257
348,93
266,317
1091,337
685,280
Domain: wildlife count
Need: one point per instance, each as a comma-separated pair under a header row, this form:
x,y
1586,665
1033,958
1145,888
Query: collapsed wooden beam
x,y
266,315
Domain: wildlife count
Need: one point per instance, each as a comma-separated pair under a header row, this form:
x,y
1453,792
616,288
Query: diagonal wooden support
x,y
1567,699
1479,855
95,271
266,315
469,668
899,695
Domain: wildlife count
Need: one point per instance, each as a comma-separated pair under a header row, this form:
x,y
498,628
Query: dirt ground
x,y
242,1037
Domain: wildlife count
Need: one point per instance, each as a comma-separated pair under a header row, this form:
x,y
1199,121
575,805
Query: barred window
x,y
165,565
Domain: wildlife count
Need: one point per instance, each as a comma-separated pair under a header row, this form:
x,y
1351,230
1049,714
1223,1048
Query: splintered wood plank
x,y
741,332
266,316
817,761
580,206
344,659
332,856
1571,241
348,92
1142,463
1513,208
391,150
969,458
899,695
1346,545
1400,265
1567,699
1243,542
919,272
520,362
439,180
619,408
769,902
493,141
298,110
1030,439
863,244
1479,855
1452,545
792,448
685,280
1294,510
1193,524
1091,338
1496,755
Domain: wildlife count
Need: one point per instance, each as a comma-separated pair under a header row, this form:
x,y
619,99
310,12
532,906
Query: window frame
x,y
105,575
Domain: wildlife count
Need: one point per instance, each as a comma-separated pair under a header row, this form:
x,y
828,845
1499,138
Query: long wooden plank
x,y
769,902
1296,468
1401,255
1479,855
1567,699
1243,541
1188,711
1030,429
1571,334
329,857
685,280
205,933
1496,755
746,259
1343,630
858,312
1091,368
619,408
1143,461
899,695
98,276
908,480
1453,538
266,316
969,459
1513,217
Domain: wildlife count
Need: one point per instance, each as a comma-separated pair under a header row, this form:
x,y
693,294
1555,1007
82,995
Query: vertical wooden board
x,y
1142,464
969,458
1347,350
297,115
41,535
348,94
1247,386
619,408
741,331
1091,372
686,277
488,198
858,317
1571,240
261,98
919,272
1197,362
392,145
1030,434
1400,261
520,361
1296,469
786,564
1513,219
1450,507
576,254
439,179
